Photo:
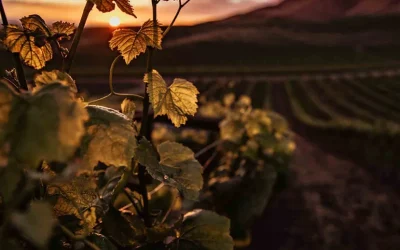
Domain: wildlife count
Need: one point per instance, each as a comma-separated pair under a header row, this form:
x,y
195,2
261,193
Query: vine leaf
x,y
10,177
128,108
17,41
131,43
9,100
177,101
278,123
258,123
62,29
36,224
47,125
54,76
54,126
127,231
32,40
256,191
34,23
110,138
77,195
108,5
177,166
231,130
204,230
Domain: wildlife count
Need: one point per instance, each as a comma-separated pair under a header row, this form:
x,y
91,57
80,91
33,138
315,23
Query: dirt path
x,y
330,204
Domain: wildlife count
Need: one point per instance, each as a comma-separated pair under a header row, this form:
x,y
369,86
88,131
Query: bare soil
x,y
330,204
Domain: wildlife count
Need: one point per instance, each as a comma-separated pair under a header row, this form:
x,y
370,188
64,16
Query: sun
x,y
114,21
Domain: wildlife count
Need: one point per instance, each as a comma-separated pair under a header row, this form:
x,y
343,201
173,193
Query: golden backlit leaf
x,y
54,76
63,29
278,122
104,5
108,5
109,139
31,54
177,101
75,196
125,6
213,109
34,23
231,130
177,166
131,43
128,108
229,99
258,122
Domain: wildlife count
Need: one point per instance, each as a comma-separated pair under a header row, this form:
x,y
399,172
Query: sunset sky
x,y
196,11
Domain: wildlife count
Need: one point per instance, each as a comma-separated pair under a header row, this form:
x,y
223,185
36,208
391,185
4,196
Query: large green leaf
x,y
204,230
251,197
53,126
131,43
10,178
177,166
47,125
9,103
36,224
177,101
110,138
108,5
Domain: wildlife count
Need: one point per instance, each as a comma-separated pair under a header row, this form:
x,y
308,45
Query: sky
x,y
196,11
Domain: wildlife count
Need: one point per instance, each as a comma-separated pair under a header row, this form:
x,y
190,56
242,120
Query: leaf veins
x,y
131,43
177,101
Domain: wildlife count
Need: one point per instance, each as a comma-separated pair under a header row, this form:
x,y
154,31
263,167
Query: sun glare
x,y
115,21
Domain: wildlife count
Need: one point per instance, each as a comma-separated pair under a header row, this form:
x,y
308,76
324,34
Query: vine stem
x,y
176,16
143,128
18,64
170,209
71,55
74,237
132,200
155,190
212,157
110,84
208,147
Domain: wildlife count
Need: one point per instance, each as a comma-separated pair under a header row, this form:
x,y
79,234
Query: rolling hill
x,y
292,33
310,22
319,11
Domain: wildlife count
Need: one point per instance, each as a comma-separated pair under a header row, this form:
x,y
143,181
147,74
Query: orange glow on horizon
x,y
71,11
